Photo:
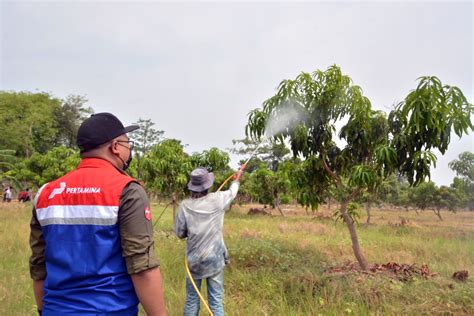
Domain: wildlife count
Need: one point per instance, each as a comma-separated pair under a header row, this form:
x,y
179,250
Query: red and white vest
x,y
78,213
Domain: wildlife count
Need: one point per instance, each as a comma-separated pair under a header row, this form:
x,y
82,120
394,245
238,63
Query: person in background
x,y
24,196
200,219
91,232
8,194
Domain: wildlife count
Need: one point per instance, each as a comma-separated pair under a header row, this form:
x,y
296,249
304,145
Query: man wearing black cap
x,y
91,232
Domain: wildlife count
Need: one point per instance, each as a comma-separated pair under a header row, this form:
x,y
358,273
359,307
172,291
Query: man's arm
x,y
38,286
37,260
180,227
149,288
226,197
136,234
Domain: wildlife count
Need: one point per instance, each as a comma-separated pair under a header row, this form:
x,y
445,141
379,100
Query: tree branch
x,y
331,173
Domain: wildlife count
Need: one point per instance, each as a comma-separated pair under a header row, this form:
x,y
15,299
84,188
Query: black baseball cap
x,y
100,128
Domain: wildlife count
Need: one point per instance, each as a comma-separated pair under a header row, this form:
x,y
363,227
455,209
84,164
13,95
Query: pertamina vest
x,y
86,273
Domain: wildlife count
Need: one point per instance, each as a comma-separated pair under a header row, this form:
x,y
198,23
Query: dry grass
x,y
278,263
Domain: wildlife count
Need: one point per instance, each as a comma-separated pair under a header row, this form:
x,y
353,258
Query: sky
x,y
197,68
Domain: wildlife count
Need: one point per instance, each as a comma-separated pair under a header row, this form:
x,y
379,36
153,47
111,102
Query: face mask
x,y
127,163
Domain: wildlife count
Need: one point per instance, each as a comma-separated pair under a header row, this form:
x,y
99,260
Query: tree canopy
x,y
374,145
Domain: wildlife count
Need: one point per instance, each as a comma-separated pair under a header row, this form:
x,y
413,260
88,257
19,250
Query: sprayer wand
x,y
241,169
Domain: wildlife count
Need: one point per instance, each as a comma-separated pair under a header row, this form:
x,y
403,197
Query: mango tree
x,y
145,138
166,168
464,182
271,152
214,160
267,186
446,198
370,146
423,196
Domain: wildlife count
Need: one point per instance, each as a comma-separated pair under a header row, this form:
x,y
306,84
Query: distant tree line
x,y
37,145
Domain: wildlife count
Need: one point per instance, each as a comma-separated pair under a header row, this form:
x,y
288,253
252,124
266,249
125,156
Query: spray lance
x,y
242,168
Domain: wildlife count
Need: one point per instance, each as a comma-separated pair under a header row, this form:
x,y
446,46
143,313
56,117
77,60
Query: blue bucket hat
x,y
201,180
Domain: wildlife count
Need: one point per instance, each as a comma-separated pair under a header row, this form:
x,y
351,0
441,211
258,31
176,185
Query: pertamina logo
x,y
59,190
147,213
74,190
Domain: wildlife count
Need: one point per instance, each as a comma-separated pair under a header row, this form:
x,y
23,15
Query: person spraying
x,y
200,219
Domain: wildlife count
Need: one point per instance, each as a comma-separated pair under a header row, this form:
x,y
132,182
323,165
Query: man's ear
x,y
113,147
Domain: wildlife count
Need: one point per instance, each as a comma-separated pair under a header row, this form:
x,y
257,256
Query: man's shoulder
x,y
134,190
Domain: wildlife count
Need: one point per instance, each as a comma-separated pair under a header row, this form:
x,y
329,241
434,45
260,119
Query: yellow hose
x,y
224,183
196,288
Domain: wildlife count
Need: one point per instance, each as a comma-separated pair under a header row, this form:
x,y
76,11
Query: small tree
x,y
423,196
145,138
374,146
166,168
271,152
445,198
464,182
268,186
69,117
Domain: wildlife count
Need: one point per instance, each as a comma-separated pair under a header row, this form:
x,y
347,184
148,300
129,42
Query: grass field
x,y
279,264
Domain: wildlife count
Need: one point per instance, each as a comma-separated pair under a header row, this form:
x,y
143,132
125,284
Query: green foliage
x,y
146,136
269,151
263,185
326,98
37,122
7,158
447,198
424,121
353,210
464,183
423,196
7,162
166,168
464,167
42,168
374,146
27,122
214,160
69,117
306,179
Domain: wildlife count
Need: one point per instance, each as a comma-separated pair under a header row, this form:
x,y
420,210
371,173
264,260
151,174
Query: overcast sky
x,y
197,69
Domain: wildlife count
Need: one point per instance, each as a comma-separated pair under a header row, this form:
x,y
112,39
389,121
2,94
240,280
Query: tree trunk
x,y
438,213
369,206
355,240
329,205
277,204
175,205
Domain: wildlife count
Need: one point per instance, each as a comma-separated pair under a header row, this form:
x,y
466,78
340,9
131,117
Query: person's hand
x,y
237,175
